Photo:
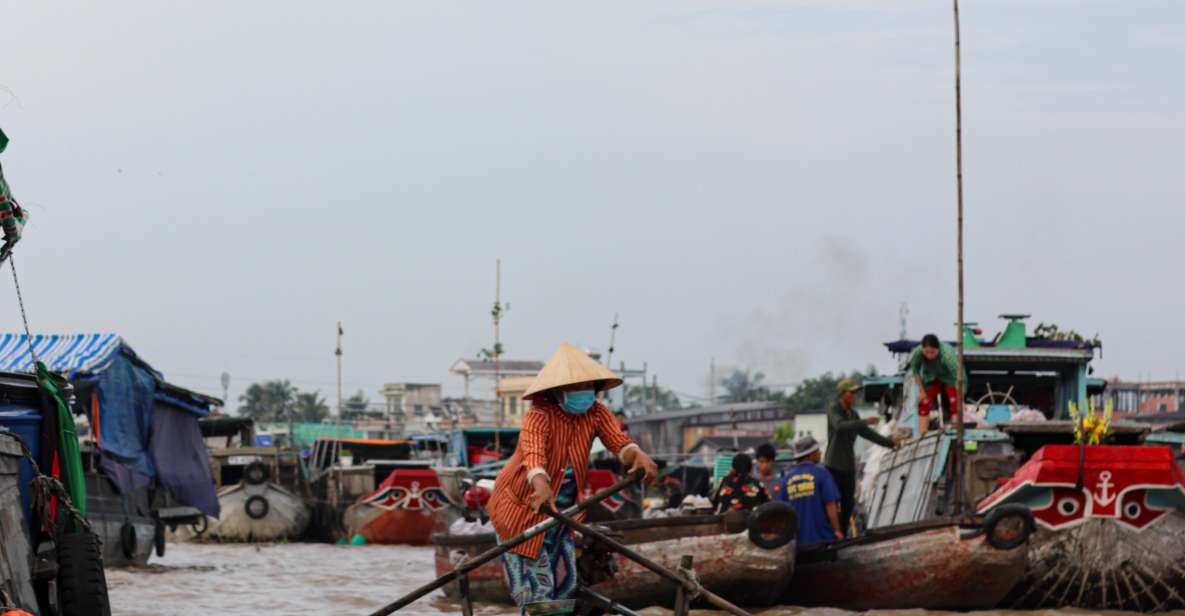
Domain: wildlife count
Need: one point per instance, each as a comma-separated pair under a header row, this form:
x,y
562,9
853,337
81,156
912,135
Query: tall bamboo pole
x,y
957,406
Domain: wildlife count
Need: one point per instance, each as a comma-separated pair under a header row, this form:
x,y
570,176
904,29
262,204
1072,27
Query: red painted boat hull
x,y
407,508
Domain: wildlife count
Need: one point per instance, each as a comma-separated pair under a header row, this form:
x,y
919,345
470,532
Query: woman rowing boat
x,y
553,449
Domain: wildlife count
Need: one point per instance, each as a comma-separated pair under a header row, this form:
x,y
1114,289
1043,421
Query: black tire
x,y
82,586
775,515
158,538
1001,539
256,507
256,473
200,526
127,540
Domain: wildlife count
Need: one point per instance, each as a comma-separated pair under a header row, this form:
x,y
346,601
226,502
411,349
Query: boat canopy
x,y
140,422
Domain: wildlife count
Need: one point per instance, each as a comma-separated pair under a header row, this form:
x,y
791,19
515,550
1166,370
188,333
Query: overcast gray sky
x,y
760,182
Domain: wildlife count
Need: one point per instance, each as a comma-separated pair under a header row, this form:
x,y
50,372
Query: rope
x,y
21,302
45,486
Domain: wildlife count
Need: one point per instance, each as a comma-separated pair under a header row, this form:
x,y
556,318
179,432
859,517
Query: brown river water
x,y
309,578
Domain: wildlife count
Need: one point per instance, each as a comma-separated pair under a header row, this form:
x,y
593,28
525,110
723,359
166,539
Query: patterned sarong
x,y
552,575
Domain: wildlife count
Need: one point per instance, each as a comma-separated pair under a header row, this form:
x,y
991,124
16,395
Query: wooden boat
x,y
408,507
726,560
1113,541
255,504
41,571
935,565
16,580
1109,517
122,520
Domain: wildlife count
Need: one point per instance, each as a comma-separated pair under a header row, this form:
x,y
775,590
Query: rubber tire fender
x,y
127,539
200,526
772,509
248,507
997,515
256,473
82,585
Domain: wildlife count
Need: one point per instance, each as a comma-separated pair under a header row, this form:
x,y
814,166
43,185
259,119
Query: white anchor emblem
x,y
1105,497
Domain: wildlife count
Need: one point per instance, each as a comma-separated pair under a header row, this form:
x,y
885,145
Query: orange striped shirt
x,y
552,440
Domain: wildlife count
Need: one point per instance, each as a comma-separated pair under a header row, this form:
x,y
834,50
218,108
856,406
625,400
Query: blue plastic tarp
x,y
126,393
179,453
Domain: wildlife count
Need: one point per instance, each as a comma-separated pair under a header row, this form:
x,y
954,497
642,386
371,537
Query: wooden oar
x,y
691,585
472,563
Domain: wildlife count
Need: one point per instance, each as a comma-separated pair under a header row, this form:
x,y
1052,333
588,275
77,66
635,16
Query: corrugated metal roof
x,y
64,354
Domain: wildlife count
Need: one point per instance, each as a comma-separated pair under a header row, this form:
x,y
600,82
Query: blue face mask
x,y
578,402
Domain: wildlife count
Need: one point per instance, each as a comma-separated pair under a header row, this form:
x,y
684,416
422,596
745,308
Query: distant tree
x,y
816,394
744,386
310,406
662,398
268,401
357,406
783,435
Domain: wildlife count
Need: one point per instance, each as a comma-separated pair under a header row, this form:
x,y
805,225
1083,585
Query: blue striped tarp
x,y
70,354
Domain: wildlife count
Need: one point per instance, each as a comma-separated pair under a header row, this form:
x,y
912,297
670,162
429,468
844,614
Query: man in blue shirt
x,y
811,490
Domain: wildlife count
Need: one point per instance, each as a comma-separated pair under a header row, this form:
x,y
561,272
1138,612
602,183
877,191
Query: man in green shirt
x,y
843,426
935,368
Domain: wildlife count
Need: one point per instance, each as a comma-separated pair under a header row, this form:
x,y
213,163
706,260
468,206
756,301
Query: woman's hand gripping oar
x,y
485,557
692,586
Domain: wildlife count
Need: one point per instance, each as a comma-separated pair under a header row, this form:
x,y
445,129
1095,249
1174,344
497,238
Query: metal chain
x,y
24,318
45,486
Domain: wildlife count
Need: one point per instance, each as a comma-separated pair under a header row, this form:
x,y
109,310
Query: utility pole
x,y
654,394
959,385
903,315
339,370
625,398
497,314
612,339
645,396
712,382
226,388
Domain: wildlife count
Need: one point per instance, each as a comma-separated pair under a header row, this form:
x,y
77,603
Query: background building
x,y
510,399
1144,398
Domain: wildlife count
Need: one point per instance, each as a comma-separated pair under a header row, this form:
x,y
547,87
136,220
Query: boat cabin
x,y
1019,389
469,447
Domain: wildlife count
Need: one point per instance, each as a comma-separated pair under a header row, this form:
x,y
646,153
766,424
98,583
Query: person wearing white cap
x,y
553,449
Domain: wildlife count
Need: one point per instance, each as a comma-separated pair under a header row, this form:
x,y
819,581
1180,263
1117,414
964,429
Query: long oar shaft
x,y
472,563
690,585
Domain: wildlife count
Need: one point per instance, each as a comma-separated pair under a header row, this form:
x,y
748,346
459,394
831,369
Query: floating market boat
x,y
936,565
143,457
48,560
727,558
408,507
16,554
372,488
256,504
1111,527
1109,517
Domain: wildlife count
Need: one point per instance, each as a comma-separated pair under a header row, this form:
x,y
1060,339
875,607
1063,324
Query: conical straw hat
x,y
569,366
